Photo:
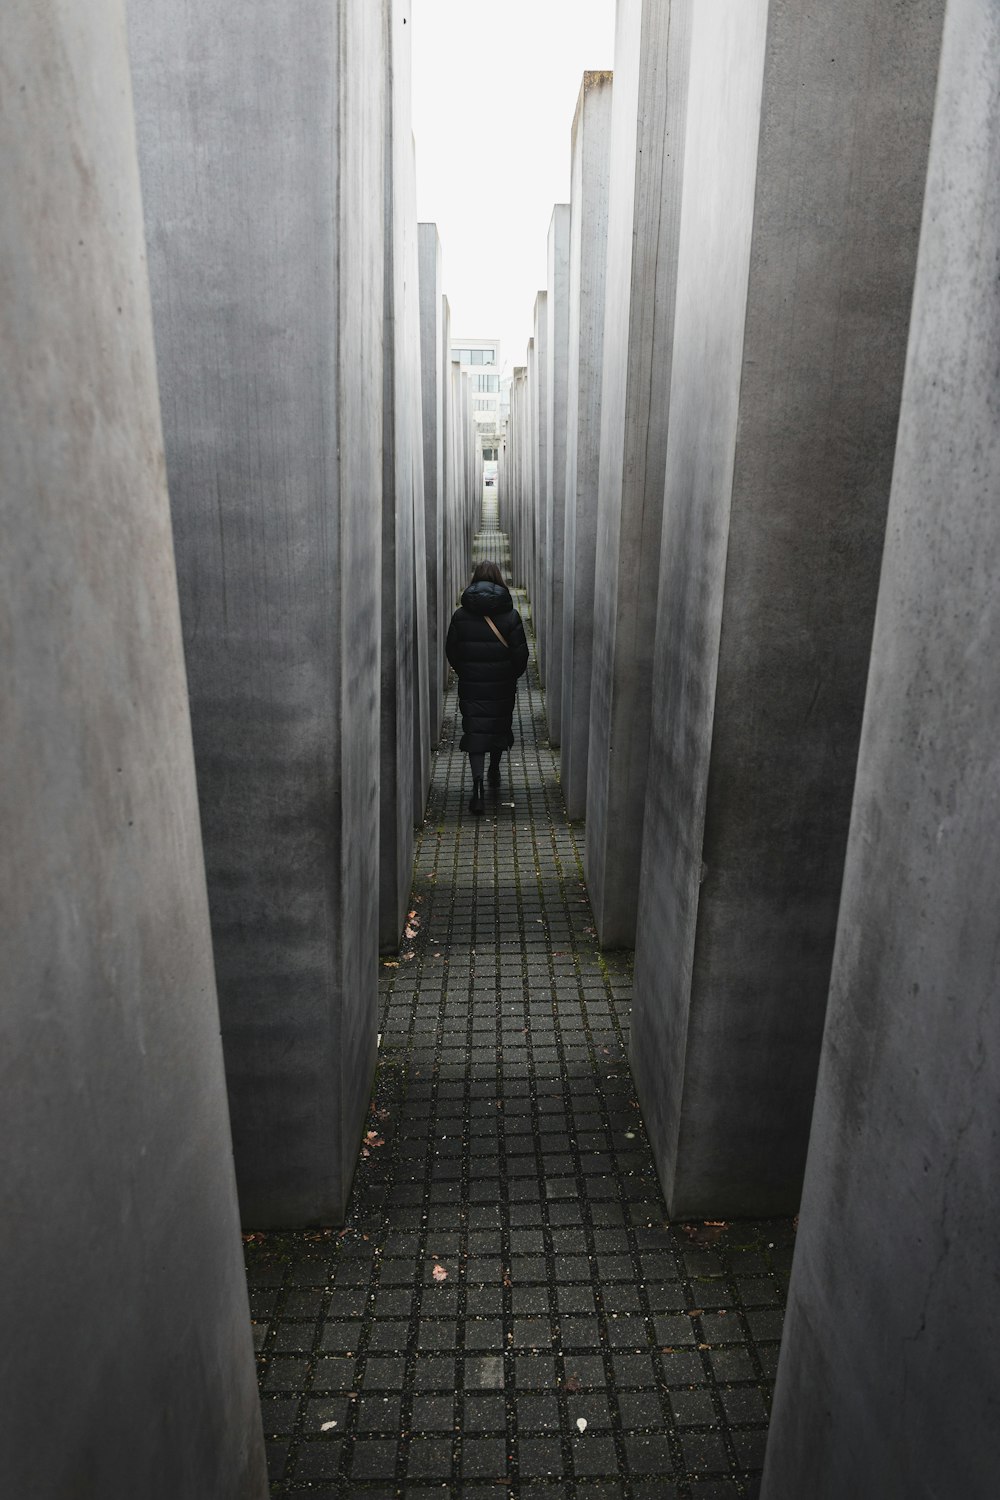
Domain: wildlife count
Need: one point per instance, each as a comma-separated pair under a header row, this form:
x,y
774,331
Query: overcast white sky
x,y
495,84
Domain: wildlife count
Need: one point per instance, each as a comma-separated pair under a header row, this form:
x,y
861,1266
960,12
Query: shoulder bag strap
x,y
498,633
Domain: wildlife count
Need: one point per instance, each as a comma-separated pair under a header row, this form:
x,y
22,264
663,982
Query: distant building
x,y
480,360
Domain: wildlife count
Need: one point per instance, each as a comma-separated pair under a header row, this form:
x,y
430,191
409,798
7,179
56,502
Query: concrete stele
x,y
536,365
433,407
266,263
648,113
555,373
891,1352
890,1360
804,175
588,253
404,624
127,1363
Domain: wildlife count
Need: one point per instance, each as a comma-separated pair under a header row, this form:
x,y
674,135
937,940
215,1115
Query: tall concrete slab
x,y
422,716
889,1371
588,254
647,134
433,422
529,469
126,1365
803,184
536,366
266,257
556,370
405,733
457,492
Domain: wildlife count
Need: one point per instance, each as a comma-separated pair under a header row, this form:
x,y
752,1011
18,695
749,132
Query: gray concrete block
x,y
889,1365
648,115
803,182
404,769
556,370
588,254
537,364
127,1366
433,408
266,263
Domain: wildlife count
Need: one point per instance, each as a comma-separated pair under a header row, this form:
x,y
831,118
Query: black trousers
x,y
477,761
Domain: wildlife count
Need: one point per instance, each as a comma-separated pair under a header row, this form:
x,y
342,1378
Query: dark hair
x,y
487,572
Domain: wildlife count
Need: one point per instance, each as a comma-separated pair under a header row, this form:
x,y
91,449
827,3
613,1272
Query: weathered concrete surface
x,y
588,254
890,1365
793,299
554,373
414,394
126,1363
266,256
433,407
648,113
456,499
404,763
537,364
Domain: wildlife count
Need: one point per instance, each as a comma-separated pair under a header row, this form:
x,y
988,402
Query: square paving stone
x,y
594,1454
318,1460
433,1414
539,1457
378,1414
484,1374
649,1454
286,1375
484,1458
534,1372
484,1414
704,1453
429,1458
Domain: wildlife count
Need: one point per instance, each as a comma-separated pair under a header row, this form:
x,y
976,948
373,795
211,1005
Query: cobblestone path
x,y
508,1312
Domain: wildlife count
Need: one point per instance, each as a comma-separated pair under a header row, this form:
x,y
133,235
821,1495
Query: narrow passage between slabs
x,y
508,1311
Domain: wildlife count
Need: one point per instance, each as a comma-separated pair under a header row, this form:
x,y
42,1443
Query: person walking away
x,y
487,647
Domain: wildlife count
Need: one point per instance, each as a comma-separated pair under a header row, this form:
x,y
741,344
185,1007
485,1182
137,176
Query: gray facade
x,y
890,1367
266,262
127,1366
803,187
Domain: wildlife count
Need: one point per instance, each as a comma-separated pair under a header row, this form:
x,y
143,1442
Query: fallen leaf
x,y
572,1384
439,1273
581,1424
695,1312
326,1426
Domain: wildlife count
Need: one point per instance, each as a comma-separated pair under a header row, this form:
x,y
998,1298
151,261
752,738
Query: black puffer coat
x,y
487,671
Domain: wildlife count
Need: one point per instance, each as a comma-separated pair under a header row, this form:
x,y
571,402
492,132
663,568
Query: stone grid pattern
x,y
506,1151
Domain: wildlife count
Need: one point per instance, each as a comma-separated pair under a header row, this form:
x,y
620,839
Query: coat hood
x,y
487,599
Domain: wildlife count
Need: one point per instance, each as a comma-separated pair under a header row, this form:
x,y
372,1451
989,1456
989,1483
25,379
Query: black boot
x,y
477,802
493,774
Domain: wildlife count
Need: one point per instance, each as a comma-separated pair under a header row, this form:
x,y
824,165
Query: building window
x,y
474,356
